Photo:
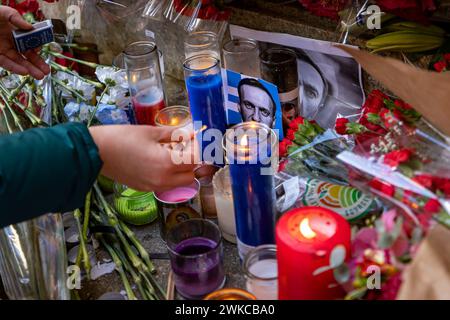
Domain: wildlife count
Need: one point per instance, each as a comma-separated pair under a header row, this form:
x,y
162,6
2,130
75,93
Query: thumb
x,y
11,15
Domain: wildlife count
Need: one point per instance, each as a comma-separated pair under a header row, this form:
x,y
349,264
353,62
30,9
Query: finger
x,y
37,61
8,14
12,66
182,179
31,69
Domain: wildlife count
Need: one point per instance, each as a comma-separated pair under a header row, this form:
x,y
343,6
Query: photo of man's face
x,y
312,89
256,105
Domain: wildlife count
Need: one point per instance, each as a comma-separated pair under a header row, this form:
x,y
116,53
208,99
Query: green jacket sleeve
x,y
46,170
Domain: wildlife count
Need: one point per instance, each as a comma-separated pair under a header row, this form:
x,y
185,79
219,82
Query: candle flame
x,y
244,140
305,229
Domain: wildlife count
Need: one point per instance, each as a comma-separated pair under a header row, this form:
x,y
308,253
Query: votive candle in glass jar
x,y
261,272
174,116
230,294
200,43
144,80
242,56
196,257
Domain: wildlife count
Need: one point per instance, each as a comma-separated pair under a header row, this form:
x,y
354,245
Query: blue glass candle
x,y
205,90
248,148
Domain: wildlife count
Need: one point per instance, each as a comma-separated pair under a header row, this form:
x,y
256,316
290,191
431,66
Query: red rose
x,y
384,187
447,57
397,157
341,126
432,206
296,122
440,66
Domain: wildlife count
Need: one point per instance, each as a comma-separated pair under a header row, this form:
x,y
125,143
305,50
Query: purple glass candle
x,y
196,256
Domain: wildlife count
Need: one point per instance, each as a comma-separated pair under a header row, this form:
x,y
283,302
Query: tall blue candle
x,y
253,188
205,90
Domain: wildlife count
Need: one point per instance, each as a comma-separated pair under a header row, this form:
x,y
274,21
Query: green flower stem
x,y
18,89
85,255
120,269
92,116
143,253
76,46
65,86
13,114
61,68
86,63
136,277
84,231
5,116
35,120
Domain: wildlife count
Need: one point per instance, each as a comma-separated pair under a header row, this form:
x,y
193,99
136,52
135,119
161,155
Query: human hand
x,y
28,63
141,158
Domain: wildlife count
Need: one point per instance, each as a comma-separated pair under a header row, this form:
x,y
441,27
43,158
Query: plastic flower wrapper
x,y
309,148
116,10
33,259
409,171
192,15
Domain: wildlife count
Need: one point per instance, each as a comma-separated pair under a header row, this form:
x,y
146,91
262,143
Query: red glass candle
x,y
306,239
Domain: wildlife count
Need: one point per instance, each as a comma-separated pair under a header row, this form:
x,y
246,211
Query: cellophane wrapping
x,y
33,259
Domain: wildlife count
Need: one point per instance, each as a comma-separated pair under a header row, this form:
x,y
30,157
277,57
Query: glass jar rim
x,y
214,60
147,46
207,34
250,42
270,249
249,124
180,108
291,56
196,183
210,223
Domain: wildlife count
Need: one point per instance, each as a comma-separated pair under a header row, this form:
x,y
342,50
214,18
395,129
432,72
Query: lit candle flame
x,y
244,140
305,229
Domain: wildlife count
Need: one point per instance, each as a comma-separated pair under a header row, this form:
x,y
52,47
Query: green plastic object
x,y
135,207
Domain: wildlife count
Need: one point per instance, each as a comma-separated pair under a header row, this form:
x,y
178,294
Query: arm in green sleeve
x,y
46,170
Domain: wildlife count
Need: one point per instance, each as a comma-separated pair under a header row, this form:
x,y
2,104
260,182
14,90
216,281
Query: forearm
x,y
46,170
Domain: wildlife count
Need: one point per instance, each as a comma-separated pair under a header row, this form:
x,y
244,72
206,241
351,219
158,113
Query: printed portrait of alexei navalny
x,y
256,103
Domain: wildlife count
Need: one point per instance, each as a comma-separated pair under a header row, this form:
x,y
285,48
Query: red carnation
x,y
341,126
296,122
284,147
424,180
403,105
384,187
290,135
432,206
374,102
443,185
397,157
447,57
440,66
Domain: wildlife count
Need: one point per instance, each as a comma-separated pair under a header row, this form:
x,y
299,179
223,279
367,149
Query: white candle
x,y
224,204
264,282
